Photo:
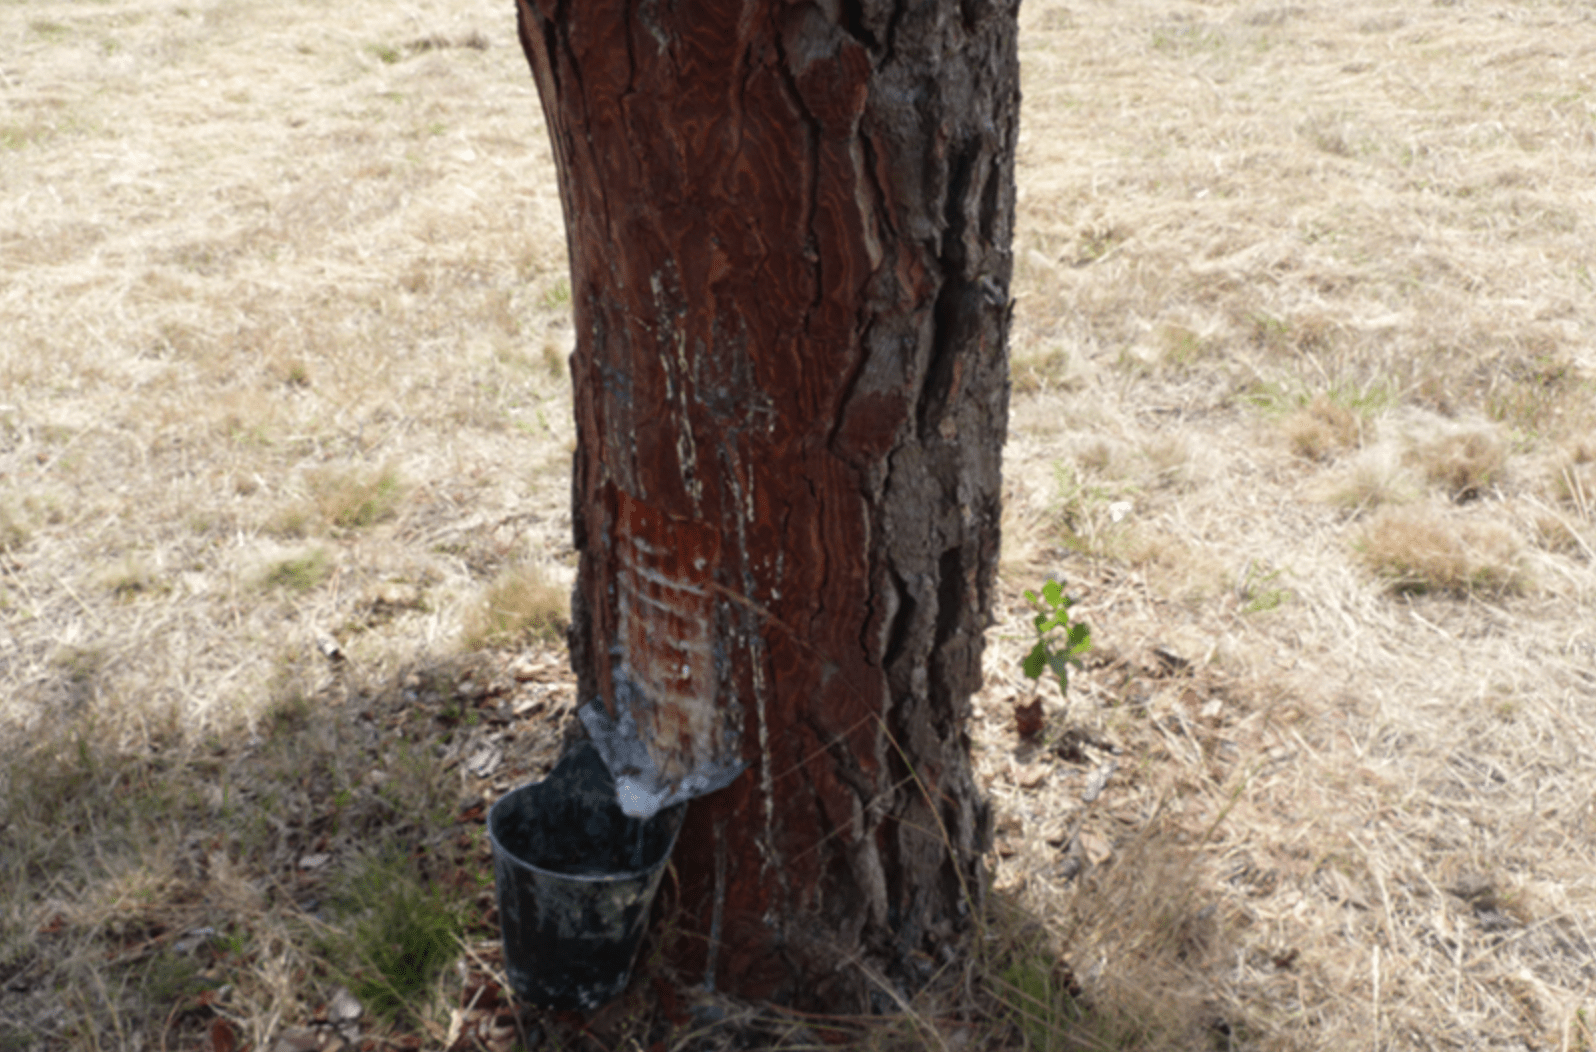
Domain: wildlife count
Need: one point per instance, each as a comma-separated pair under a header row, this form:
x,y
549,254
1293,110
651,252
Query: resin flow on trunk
x,y
670,737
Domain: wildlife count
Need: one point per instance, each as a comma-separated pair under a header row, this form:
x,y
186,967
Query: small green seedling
x,y
1051,652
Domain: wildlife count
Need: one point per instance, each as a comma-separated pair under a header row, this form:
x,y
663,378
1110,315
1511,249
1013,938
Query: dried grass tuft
x,y
1372,480
1040,369
1146,919
1321,429
1557,533
353,498
1418,549
14,531
1574,479
521,605
133,577
1465,463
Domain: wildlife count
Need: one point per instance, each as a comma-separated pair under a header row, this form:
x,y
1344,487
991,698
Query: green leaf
x,y
1030,597
1080,637
1035,661
1054,593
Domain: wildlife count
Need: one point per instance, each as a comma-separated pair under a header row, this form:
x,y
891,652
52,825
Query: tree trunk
x,y
789,230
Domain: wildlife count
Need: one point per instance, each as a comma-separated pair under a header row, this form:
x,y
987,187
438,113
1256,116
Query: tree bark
x,y
789,228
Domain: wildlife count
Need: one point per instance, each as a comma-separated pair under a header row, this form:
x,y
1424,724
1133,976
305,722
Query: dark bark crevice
x,y
854,23
957,312
902,621
811,126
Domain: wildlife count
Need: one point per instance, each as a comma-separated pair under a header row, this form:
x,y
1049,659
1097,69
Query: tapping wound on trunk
x,y
666,732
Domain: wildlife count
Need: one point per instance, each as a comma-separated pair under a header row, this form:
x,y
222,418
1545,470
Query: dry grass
x,y
1369,481
284,316
1369,219
1321,429
522,605
1574,481
1464,464
1421,549
351,499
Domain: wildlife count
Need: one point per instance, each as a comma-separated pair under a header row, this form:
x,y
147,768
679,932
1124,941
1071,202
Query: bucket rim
x,y
672,814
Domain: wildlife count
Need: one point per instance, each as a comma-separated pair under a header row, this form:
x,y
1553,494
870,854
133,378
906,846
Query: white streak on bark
x,y
767,775
719,906
686,448
743,514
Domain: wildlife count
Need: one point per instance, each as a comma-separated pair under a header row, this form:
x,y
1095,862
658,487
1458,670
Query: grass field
x,y
1304,412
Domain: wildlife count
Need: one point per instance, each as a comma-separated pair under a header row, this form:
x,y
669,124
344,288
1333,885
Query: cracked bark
x,y
789,230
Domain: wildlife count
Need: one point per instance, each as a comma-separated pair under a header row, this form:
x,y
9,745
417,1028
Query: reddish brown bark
x,y
789,227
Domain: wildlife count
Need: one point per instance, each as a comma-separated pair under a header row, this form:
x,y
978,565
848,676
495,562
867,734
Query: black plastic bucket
x,y
575,878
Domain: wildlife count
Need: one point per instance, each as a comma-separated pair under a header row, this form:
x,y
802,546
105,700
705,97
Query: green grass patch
x,y
300,573
18,136
49,30
396,938
1260,591
1035,991
558,295
354,499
